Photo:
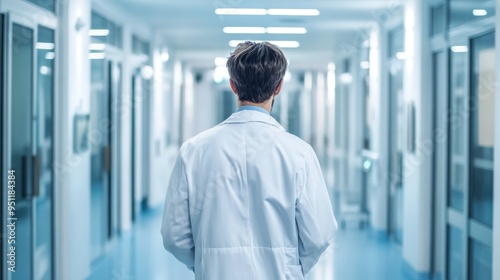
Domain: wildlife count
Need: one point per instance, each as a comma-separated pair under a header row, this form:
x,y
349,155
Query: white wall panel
x,y
73,223
417,166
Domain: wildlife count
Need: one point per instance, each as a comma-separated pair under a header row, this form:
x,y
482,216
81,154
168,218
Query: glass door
x,y
105,87
138,98
482,125
440,103
471,144
396,132
100,156
30,93
114,77
44,132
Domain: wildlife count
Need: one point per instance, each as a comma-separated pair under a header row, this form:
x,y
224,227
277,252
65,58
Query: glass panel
x,y
457,185
99,139
46,4
482,127
440,177
44,135
139,46
480,261
483,94
21,136
465,11
482,196
455,254
396,41
437,17
458,120
114,32
119,37
98,22
396,137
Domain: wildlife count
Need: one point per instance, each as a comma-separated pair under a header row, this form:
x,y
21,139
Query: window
x,y
46,4
106,32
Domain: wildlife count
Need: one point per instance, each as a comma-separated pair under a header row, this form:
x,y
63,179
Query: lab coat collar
x,y
252,116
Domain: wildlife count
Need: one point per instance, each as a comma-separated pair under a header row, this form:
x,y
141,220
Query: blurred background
x,y
399,99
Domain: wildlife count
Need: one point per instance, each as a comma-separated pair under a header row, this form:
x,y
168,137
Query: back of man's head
x,y
256,70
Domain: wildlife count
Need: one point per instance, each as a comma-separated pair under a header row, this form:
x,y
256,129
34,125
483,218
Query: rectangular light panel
x,y
98,32
286,30
281,44
241,12
245,30
293,12
263,12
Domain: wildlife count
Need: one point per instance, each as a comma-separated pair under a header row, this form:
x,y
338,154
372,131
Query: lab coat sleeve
x,y
176,225
316,223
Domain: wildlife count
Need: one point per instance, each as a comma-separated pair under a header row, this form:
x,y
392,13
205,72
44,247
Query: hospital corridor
x,y
399,100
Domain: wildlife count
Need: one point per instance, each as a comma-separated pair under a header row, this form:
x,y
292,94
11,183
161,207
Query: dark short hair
x,y
256,70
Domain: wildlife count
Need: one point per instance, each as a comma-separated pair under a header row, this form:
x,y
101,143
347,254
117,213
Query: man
x,y
246,199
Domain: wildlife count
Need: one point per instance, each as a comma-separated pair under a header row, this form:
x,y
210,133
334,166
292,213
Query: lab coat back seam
x,y
245,178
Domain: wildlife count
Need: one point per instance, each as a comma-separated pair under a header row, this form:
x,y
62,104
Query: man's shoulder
x,y
202,137
295,141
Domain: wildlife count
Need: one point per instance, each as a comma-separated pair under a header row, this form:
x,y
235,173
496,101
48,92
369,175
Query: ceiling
x,y
194,32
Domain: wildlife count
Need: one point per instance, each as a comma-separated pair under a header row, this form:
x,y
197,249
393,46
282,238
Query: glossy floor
x,y
356,255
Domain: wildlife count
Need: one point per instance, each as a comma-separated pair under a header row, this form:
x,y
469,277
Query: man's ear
x,y
278,89
233,87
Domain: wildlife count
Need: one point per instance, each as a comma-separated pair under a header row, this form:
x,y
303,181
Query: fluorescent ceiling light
x,y
293,12
50,55
281,44
401,55
479,12
345,78
245,30
263,12
248,12
331,67
459,49
220,61
97,47
99,55
286,30
262,30
364,65
45,46
44,70
164,55
220,74
147,72
286,44
98,32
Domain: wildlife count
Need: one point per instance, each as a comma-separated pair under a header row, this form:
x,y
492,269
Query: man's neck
x,y
266,105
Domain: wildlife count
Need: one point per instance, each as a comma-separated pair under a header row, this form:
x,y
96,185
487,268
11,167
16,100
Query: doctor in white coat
x,y
247,200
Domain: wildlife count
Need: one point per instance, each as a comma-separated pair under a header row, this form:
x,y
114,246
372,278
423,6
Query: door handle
x,y
25,177
36,175
107,159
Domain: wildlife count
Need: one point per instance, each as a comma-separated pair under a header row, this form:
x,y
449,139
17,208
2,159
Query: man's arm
x,y
176,226
314,215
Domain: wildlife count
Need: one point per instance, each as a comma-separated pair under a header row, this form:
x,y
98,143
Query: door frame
x,y
21,12
439,45
462,35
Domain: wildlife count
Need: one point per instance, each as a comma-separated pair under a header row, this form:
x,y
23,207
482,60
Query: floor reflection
x,y
355,255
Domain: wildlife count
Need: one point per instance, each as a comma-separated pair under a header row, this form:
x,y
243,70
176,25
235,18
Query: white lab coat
x,y
247,200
